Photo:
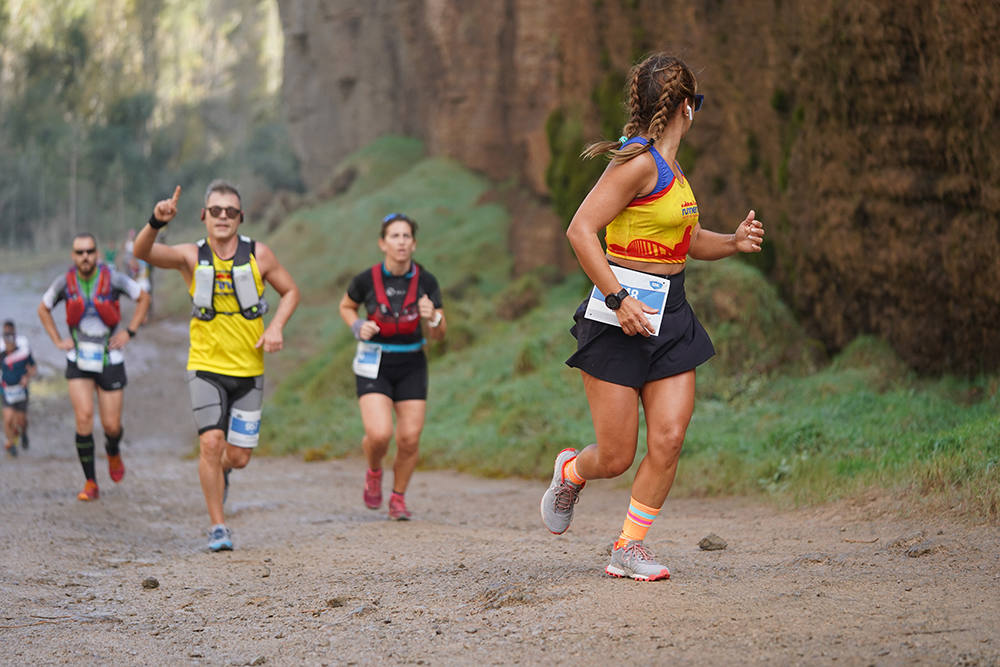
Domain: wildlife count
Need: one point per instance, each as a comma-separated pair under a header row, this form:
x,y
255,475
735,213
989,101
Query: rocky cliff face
x,y
863,133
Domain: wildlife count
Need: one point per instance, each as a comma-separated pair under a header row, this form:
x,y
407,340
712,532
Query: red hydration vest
x,y
103,299
391,323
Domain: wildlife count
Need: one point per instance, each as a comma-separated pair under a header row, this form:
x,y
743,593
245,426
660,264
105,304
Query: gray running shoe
x,y
220,538
636,561
562,494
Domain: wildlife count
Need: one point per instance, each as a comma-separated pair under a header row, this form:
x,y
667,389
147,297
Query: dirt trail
x,y
316,578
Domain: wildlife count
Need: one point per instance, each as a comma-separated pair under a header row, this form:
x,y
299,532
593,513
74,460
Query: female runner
x,y
390,366
645,205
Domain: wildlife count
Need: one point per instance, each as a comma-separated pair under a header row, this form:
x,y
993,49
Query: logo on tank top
x,y
224,282
689,208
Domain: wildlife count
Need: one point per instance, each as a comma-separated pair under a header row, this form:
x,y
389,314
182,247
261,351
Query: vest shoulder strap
x,y
411,292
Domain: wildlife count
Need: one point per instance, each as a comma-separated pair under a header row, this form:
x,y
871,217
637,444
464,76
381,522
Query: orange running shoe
x,y
116,468
89,492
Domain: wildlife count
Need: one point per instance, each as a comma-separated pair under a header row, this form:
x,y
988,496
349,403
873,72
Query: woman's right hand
x,y
632,317
66,344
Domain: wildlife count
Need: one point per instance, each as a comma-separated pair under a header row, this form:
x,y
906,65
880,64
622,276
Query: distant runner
x,y
390,366
17,367
94,358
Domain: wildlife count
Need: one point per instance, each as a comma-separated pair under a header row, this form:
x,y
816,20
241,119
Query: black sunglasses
x,y
698,101
84,251
231,211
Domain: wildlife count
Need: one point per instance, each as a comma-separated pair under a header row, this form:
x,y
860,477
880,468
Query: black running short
x,y
402,376
112,378
604,351
20,406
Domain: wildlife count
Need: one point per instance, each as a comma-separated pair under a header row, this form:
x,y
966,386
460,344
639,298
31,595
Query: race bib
x,y
90,356
647,288
244,427
367,360
15,393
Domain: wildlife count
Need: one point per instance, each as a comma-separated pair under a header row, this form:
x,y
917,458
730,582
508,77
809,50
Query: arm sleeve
x,y
431,288
55,293
359,287
123,284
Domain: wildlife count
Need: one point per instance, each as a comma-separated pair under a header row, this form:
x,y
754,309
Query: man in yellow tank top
x,y
225,274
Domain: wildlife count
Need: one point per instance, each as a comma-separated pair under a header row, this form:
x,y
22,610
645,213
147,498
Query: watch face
x,y
612,301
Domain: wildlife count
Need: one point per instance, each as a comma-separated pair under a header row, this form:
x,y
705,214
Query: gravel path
x,y
318,579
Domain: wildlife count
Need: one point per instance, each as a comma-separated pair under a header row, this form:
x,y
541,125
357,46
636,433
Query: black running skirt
x,y
607,353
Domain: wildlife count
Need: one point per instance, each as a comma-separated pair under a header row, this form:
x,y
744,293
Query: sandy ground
x,y
316,578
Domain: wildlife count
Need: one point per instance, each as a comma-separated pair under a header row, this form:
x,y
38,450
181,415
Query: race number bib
x,y
367,360
90,356
15,393
647,288
244,427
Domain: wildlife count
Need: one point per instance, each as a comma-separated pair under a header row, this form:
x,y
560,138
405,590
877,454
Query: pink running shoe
x,y
373,489
397,508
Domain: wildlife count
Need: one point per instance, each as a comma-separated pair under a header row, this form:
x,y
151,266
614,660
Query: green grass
x,y
773,418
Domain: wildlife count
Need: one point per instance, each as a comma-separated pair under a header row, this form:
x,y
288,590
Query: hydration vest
x,y
391,323
251,304
103,298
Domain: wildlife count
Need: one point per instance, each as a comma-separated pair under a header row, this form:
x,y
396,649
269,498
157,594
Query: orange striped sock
x,y
569,472
638,519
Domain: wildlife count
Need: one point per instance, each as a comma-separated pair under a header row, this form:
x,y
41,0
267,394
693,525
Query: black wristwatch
x,y
614,301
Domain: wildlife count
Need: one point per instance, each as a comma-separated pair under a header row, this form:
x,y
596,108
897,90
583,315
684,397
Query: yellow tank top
x,y
656,227
225,344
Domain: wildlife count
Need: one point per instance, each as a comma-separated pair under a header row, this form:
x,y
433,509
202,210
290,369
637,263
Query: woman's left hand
x,y
426,307
750,234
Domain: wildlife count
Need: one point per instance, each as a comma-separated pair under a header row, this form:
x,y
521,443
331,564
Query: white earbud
x,y
689,111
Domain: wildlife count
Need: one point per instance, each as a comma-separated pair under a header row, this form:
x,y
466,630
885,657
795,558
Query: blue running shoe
x,y
220,538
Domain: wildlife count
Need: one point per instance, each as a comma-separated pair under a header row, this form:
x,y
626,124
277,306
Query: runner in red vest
x,y
94,357
390,366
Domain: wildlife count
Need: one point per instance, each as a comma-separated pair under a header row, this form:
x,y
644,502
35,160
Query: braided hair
x,y
656,87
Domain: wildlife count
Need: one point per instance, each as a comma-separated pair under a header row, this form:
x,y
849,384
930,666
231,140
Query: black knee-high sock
x,y
85,450
111,443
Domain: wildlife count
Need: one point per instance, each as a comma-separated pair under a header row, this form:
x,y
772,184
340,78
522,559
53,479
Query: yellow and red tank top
x,y
656,227
225,344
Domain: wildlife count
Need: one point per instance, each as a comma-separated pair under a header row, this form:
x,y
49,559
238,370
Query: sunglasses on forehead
x,y
231,211
393,217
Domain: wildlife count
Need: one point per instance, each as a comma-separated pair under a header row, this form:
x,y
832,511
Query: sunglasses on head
x,y
231,211
84,251
393,217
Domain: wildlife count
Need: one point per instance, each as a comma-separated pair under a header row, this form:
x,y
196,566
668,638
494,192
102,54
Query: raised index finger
x,y
177,194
